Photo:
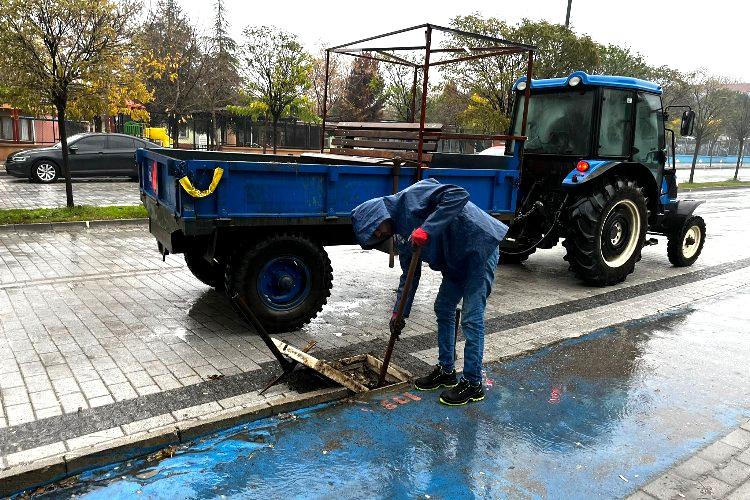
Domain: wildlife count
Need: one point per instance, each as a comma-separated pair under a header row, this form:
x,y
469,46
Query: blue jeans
x,y
474,290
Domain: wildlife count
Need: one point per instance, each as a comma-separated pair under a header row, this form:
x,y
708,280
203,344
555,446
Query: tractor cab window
x,y
649,129
615,125
558,123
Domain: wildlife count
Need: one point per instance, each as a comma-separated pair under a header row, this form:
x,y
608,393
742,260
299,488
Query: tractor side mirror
x,y
687,122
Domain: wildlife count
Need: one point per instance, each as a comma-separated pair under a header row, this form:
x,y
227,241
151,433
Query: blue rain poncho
x,y
461,235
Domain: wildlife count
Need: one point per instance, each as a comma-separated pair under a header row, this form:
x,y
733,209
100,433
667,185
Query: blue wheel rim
x,y
284,283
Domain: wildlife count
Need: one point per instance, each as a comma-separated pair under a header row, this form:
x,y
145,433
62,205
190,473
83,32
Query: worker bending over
x,y
461,241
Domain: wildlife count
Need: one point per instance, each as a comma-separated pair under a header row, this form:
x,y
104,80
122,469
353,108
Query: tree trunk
x,y
711,152
273,131
213,131
739,159
60,105
695,157
175,132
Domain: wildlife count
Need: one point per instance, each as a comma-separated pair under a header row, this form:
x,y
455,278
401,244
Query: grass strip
x,y
714,184
80,212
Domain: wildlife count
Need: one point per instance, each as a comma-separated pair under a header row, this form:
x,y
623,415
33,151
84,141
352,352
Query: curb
x,y
21,477
71,225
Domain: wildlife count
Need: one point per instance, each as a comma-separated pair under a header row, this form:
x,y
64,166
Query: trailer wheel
x,y
685,245
210,273
606,232
285,279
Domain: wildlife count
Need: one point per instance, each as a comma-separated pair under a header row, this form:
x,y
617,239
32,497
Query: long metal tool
x,y
415,260
287,365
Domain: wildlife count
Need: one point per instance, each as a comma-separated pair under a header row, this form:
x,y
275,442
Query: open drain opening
x,y
365,369
357,373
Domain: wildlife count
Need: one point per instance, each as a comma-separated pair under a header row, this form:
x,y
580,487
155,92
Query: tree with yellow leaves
x,y
70,55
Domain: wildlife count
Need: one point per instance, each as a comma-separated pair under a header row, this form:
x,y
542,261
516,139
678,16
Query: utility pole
x,y
567,15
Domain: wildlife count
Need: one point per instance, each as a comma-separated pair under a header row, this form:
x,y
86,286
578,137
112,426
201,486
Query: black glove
x,y
396,325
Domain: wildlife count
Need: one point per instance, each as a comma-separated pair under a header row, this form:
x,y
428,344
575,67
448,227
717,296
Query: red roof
x,y
739,87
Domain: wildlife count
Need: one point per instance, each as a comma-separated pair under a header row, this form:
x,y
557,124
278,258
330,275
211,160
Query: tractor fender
x,y
600,168
674,216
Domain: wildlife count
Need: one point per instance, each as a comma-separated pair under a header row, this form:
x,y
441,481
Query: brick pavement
x,y
20,193
720,470
100,340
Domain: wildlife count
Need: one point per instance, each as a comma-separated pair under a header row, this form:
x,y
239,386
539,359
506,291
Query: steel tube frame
x,y
325,102
504,47
413,111
423,111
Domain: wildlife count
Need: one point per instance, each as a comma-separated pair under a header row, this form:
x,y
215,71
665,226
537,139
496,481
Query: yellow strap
x,y
197,193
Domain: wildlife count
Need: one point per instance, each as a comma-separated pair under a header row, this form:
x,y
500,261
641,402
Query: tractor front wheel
x,y
285,280
606,232
685,245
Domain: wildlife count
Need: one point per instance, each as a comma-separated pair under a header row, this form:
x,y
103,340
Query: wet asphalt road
x,y
592,417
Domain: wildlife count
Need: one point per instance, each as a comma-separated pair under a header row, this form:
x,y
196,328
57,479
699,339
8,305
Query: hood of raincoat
x,y
366,218
461,235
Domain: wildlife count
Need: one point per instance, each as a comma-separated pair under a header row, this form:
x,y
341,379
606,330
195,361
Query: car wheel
x,y
44,171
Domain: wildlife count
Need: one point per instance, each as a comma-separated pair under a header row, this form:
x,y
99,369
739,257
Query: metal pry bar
x,y
415,260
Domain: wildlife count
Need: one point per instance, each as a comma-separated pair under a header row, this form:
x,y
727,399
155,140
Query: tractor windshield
x,y
558,123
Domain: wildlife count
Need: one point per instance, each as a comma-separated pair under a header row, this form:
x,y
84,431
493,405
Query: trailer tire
x,y
684,246
211,274
606,232
285,279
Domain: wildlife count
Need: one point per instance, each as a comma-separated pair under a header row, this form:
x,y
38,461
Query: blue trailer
x,y
263,227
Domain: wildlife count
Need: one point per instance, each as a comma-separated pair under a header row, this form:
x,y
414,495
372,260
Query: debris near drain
x,y
52,488
365,369
167,452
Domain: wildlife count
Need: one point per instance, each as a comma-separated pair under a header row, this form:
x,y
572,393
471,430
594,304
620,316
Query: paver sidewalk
x,y
20,193
720,470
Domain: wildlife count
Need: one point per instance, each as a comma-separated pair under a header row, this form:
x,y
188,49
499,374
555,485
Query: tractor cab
x,y
590,139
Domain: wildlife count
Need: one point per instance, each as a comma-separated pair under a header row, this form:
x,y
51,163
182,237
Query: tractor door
x,y
649,147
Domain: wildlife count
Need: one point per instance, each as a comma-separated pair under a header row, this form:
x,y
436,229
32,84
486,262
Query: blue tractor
x,y
594,173
585,161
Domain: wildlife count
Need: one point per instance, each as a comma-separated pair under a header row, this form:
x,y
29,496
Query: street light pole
x,y
567,15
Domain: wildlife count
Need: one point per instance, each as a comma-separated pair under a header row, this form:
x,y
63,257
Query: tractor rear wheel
x,y
285,280
606,232
210,273
685,245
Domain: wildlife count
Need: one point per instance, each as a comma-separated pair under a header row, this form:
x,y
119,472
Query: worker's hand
x,y
396,325
419,237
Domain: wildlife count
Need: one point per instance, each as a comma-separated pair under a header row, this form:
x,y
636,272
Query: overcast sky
x,y
684,34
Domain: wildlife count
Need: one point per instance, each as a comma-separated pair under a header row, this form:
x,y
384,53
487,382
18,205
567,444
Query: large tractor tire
x,y
285,280
686,243
210,273
606,232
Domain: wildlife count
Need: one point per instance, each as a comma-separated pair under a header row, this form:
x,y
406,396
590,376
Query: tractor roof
x,y
619,82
